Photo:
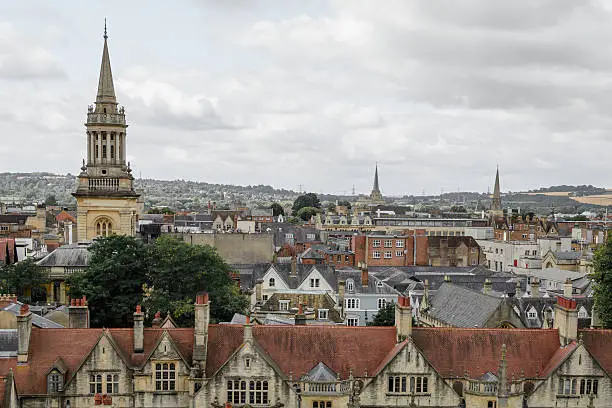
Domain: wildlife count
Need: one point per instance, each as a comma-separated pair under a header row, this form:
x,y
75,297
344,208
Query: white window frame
x,y
399,243
376,254
352,321
388,243
376,243
399,253
388,255
351,303
350,285
381,303
323,314
283,305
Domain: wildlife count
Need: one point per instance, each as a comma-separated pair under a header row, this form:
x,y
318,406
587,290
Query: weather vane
x,y
105,36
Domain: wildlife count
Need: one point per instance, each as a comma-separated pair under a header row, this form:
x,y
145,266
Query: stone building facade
x,y
244,365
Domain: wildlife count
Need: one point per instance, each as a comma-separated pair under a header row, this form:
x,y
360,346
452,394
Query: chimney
x,y
138,330
258,289
425,301
566,320
248,331
78,314
300,317
364,277
24,328
200,332
403,318
293,265
535,287
567,288
517,292
487,286
157,320
341,289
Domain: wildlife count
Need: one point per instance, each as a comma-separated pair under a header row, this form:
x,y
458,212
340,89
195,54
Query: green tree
x,y
180,271
277,209
306,200
306,212
345,203
163,210
331,208
22,277
119,266
602,276
50,200
385,316
458,208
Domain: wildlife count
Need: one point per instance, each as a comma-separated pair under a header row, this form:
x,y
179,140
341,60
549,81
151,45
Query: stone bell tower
x,y
106,200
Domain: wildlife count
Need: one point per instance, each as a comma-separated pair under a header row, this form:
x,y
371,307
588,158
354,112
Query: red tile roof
x,y
598,343
559,357
297,349
223,340
46,346
454,351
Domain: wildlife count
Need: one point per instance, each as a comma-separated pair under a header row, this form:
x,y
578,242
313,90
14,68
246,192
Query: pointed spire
x,y
496,201
376,188
106,89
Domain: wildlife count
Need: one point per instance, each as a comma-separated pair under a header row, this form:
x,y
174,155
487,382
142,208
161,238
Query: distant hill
x,y
576,191
176,194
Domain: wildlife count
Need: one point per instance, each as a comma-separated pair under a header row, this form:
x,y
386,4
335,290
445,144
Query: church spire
x,y
376,195
106,89
376,188
496,201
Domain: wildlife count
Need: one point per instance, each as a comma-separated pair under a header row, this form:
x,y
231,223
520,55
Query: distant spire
x,y
496,201
376,188
106,89
376,194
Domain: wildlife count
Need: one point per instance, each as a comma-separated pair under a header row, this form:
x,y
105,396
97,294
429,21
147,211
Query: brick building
x,y
391,250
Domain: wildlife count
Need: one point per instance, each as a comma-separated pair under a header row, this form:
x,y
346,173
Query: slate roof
x,y
567,255
471,277
75,255
302,272
8,342
461,307
37,321
542,304
375,286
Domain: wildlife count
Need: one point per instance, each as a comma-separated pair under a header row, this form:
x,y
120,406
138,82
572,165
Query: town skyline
x,y
193,117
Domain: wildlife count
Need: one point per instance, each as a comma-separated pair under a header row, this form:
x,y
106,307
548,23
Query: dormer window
x,y
350,285
55,382
271,282
532,314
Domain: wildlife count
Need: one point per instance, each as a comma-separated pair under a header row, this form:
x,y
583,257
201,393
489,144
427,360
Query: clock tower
x,y
106,201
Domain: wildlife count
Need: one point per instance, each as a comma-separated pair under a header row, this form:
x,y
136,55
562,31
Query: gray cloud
x,y
286,93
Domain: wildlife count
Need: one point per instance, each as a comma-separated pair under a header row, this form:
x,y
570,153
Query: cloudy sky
x,y
291,92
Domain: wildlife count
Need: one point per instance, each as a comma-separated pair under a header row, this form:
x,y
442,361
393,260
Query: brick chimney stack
x,y
568,289
566,320
24,328
157,320
138,330
403,318
200,332
300,317
78,314
248,331
365,277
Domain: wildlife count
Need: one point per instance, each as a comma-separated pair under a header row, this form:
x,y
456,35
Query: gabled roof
x,y
74,255
598,343
455,351
321,373
461,307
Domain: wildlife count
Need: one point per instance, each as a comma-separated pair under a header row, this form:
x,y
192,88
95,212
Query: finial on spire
x,y
105,36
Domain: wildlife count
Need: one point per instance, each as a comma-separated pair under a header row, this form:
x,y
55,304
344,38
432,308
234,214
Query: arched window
x,y
104,227
350,285
112,152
